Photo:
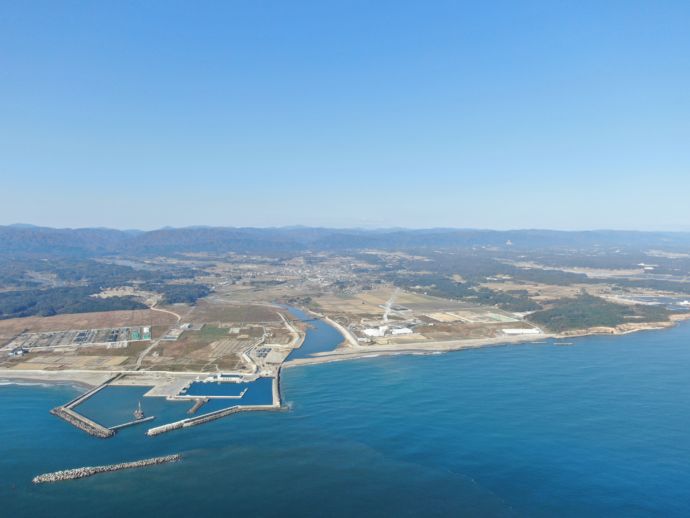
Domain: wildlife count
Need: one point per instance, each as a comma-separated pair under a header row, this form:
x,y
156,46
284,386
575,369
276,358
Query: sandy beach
x,y
349,351
85,379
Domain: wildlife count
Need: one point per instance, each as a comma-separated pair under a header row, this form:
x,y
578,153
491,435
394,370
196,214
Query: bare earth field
x,y
211,348
369,304
206,311
141,317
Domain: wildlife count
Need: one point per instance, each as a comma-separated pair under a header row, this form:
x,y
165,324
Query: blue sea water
x,y
599,428
258,392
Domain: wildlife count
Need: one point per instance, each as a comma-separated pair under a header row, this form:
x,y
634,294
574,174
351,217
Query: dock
x,y
188,397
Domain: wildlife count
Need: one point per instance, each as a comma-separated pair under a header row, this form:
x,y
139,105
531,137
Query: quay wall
x,y
277,400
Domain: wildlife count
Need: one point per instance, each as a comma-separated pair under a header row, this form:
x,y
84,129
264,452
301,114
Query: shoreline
x,y
90,379
76,379
433,348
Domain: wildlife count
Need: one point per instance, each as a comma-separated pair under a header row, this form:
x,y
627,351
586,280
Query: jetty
x,y
197,405
131,423
72,474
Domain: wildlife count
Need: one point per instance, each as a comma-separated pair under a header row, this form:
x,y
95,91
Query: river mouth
x,y
320,336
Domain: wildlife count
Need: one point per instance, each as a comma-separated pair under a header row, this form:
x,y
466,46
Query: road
x,y
154,343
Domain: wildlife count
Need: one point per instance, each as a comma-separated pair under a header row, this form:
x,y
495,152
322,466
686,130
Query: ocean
x,y
599,428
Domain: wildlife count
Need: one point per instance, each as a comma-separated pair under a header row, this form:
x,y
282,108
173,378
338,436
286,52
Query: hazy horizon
x,y
345,228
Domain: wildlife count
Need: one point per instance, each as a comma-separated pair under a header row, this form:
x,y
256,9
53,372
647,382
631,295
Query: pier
x,y
197,405
72,474
131,423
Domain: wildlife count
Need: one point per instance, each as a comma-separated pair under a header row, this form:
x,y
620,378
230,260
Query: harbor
x,y
221,394
67,413
101,411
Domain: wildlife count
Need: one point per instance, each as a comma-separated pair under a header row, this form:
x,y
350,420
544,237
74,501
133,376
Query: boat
x,y
138,413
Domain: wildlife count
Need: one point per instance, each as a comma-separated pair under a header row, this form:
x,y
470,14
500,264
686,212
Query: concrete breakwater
x,y
83,423
72,474
90,393
205,418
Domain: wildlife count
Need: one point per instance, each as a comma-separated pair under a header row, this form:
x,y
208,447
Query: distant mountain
x,y
42,241
22,225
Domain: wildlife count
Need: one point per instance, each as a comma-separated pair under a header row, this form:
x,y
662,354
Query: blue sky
x,y
550,114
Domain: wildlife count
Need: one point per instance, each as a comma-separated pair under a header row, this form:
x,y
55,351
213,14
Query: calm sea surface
x,y
599,428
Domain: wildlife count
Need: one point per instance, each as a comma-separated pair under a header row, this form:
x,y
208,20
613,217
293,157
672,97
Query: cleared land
x,y
206,311
391,317
142,317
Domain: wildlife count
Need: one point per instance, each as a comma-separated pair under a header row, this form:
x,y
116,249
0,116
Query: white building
x,y
519,331
375,332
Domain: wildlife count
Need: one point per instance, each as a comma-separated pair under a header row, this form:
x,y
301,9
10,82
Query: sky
x,y
485,114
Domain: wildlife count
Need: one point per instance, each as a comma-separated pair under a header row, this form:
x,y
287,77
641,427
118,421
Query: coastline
x,y
345,353
90,379
78,379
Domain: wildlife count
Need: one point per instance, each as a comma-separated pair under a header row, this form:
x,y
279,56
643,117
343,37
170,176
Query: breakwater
x,y
205,418
83,423
72,474
90,393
